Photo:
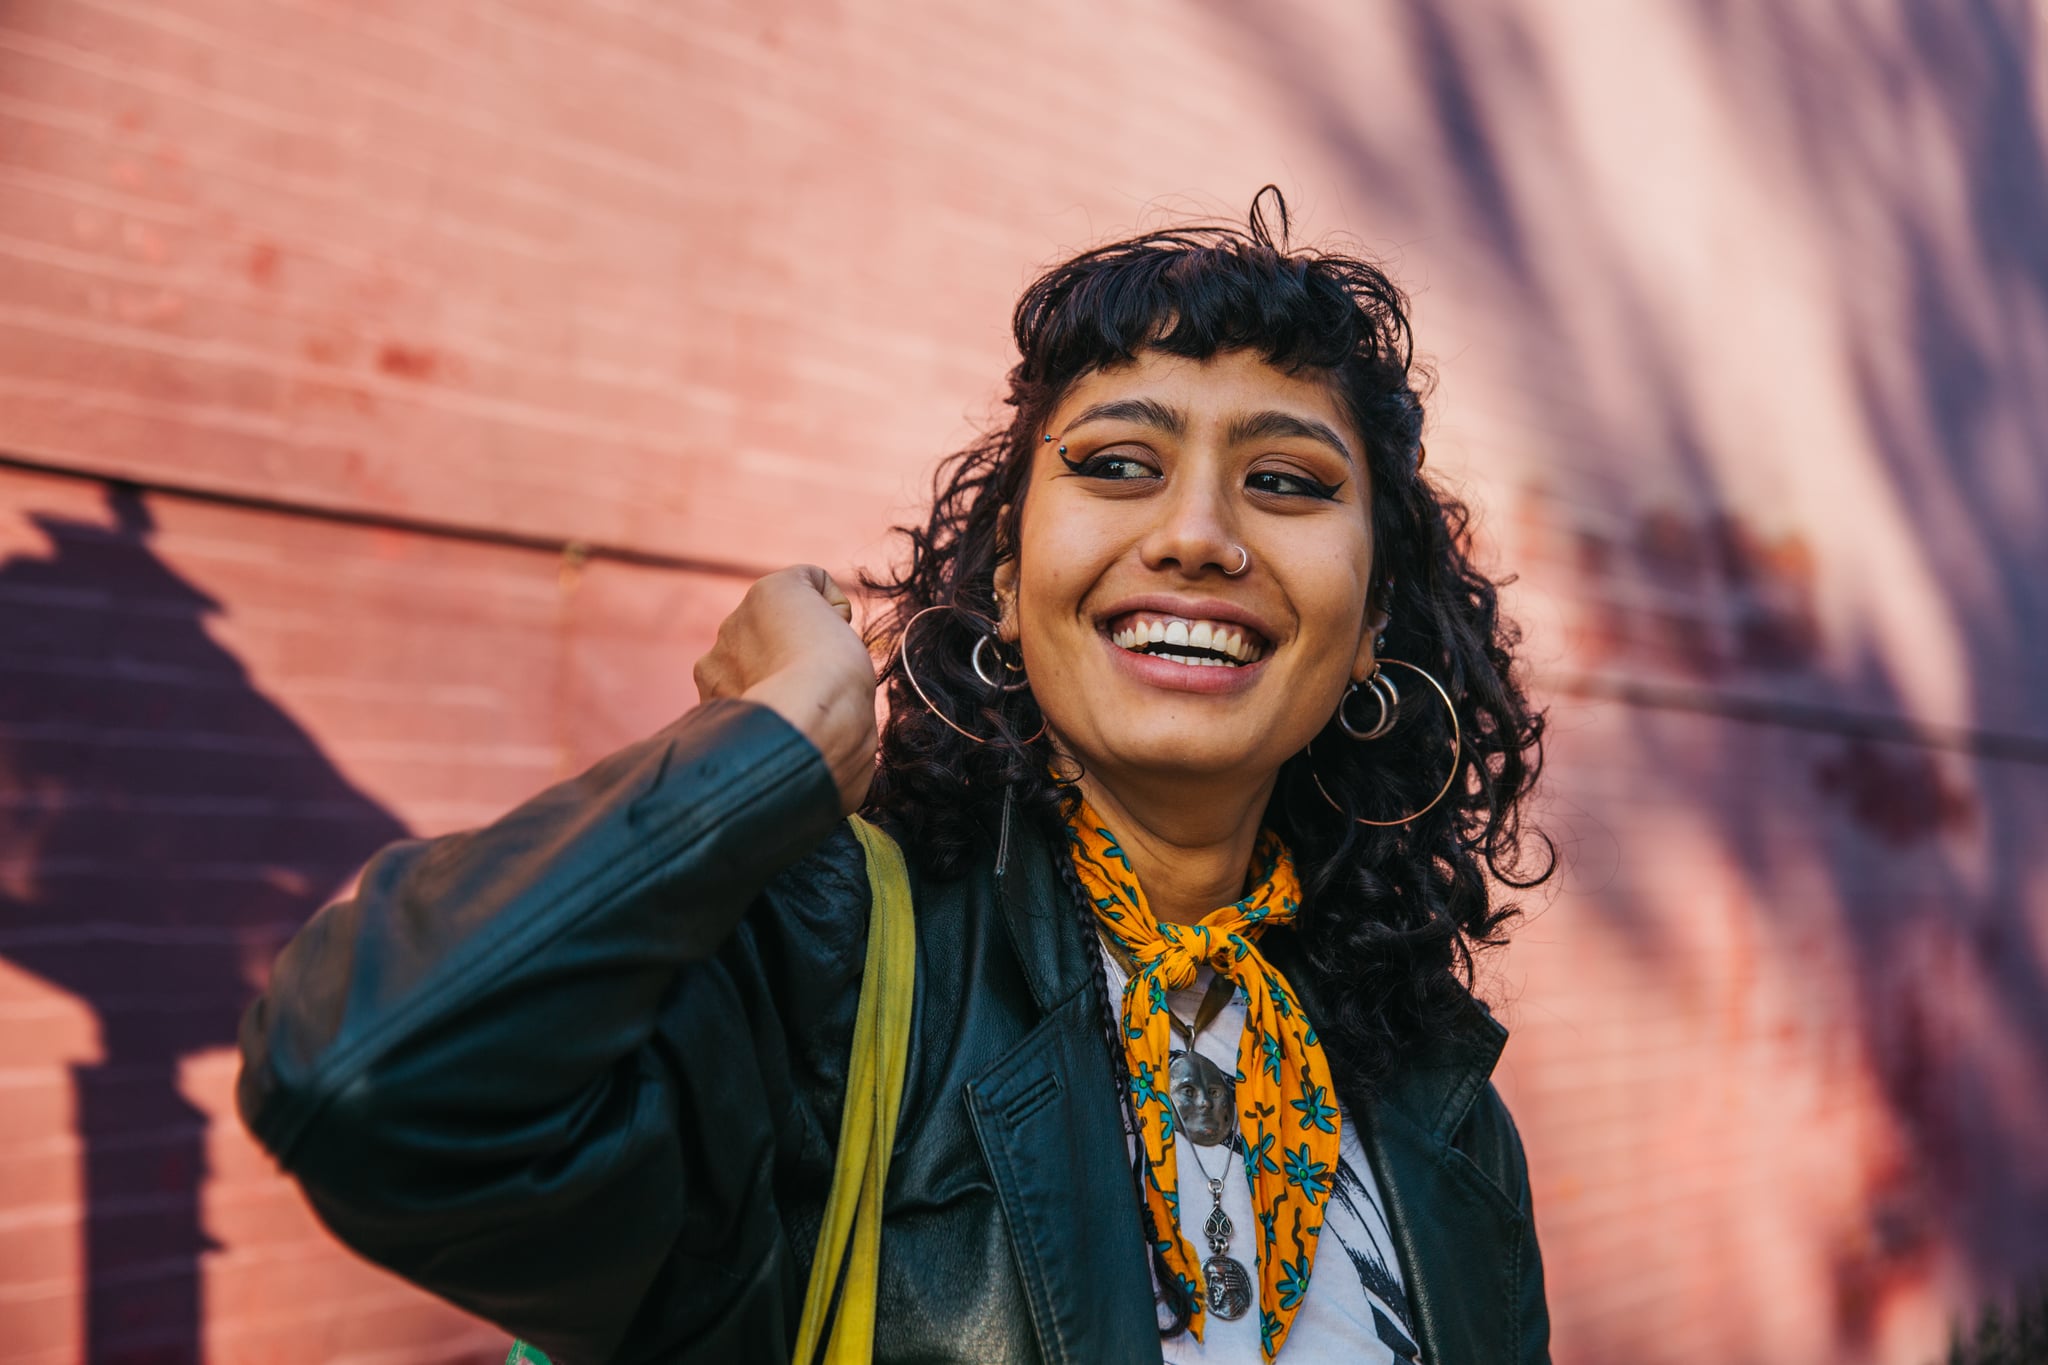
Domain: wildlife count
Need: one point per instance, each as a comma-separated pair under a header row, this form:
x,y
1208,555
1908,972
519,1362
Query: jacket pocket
x,y
1031,1097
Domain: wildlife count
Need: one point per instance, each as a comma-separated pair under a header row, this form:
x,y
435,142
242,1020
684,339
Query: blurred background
x,y
394,396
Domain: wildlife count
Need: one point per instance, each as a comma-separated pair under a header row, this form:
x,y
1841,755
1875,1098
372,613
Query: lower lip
x,y
1207,679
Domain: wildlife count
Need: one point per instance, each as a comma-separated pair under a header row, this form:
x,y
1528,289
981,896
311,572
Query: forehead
x,y
1211,390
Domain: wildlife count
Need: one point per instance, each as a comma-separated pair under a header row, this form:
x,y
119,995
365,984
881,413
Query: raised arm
x,y
471,1065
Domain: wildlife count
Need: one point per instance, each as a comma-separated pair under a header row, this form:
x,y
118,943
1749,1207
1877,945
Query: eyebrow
x,y
1269,424
1146,412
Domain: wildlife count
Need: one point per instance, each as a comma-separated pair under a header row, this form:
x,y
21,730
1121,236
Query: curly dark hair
x,y
1391,915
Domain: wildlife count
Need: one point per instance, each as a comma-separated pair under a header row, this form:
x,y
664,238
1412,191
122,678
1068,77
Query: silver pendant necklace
x,y
1204,1101
1203,1098
1228,1285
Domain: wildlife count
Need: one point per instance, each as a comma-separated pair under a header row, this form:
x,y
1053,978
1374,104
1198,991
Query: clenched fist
x,y
790,645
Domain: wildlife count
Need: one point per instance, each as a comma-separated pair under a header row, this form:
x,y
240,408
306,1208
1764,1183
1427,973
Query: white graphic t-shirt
x,y
1356,1311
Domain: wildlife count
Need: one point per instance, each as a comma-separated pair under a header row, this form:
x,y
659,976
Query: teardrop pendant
x,y
1218,1229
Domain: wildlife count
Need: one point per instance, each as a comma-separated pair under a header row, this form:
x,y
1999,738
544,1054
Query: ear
x,y
1376,619
1005,581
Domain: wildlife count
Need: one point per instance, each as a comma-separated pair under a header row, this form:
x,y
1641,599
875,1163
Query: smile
x,y
1194,643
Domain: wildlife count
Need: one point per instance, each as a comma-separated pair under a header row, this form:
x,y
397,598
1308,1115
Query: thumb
x,y
832,594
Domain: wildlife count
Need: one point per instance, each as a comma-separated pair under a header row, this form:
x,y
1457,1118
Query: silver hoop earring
x,y
981,667
1242,564
903,662
1457,752
1382,690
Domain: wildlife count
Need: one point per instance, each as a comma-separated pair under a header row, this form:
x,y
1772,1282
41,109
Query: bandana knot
x,y
1183,949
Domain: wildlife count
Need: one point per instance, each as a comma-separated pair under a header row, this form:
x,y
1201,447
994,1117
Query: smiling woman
x,y
1197,882
1211,430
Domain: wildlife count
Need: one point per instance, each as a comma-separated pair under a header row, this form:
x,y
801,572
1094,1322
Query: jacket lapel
x,y
1051,1132
1449,1220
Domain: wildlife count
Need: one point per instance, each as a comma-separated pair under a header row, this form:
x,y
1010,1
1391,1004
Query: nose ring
x,y
1242,564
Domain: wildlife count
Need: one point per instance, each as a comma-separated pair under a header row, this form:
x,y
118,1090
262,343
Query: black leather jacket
x,y
580,1072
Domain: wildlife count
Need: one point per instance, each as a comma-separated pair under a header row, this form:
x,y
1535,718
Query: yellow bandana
x,y
1287,1109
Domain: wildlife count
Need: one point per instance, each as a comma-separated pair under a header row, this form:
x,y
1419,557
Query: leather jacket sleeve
x,y
511,1068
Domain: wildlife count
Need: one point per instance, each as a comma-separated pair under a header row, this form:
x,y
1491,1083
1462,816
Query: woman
x,y
1201,742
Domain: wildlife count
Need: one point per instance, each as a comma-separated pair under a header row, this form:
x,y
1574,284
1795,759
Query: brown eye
x,y
1110,464
1290,484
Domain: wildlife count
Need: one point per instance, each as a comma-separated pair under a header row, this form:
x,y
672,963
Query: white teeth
x,y
1206,635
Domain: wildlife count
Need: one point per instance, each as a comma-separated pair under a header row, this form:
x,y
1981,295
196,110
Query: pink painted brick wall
x,y
1741,321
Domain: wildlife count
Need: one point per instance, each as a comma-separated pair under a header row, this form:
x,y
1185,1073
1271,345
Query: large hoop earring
x,y
903,661
1382,690
1457,751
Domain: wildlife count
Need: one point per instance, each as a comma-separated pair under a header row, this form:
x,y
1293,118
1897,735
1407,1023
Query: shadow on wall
x,y
1917,132
169,828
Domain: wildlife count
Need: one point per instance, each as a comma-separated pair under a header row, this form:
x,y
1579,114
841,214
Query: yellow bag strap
x,y
852,1231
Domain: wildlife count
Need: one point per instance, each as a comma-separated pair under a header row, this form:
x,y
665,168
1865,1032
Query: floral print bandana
x,y
1287,1110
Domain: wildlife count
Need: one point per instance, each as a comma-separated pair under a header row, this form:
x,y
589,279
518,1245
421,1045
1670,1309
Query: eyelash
x,y
1094,465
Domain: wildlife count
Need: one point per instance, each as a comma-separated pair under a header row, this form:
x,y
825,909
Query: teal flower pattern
x,y
1308,1175
1293,1281
1316,1111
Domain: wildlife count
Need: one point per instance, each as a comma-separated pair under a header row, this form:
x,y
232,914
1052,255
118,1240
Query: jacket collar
x,y
1043,922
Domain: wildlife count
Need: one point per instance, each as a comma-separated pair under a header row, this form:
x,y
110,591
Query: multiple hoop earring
x,y
1379,687
1382,690
980,667
975,661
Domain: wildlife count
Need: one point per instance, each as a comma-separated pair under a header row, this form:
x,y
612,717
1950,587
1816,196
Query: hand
x,y
790,645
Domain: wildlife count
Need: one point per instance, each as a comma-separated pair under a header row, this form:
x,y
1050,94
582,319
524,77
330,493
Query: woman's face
x,y
1171,465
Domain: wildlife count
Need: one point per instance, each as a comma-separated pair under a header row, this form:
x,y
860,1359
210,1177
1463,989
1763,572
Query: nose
x,y
1196,532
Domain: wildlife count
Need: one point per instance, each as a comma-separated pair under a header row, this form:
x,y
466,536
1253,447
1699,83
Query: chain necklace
x,y
1204,1103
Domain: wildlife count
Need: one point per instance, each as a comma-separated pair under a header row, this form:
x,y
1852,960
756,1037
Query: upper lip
x,y
1194,609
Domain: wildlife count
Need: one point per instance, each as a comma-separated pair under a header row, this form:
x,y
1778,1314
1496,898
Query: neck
x,y
1189,844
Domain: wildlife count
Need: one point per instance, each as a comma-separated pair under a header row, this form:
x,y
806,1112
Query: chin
x,y
1169,754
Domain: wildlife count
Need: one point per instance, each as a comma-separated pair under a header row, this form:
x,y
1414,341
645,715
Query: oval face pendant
x,y
1229,1287
1204,1099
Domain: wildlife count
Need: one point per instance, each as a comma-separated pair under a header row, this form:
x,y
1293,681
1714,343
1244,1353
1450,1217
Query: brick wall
x,y
324,329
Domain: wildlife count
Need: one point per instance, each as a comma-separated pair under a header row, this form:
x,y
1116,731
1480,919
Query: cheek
x,y
1062,559
1333,605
